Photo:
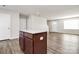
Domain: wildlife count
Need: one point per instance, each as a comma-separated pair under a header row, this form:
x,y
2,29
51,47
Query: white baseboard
x,y
13,37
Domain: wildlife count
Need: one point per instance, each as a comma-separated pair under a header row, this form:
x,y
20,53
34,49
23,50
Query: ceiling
x,y
49,11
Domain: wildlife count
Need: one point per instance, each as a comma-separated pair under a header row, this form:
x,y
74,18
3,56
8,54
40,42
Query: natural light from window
x,y
71,24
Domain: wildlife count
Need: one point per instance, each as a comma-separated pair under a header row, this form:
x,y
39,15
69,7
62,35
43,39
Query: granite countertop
x,y
33,31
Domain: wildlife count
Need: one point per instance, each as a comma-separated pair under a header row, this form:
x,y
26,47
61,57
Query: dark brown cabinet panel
x,y
28,46
21,41
40,46
34,43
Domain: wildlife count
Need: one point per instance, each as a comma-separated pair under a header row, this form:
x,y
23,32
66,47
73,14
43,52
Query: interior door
x,y
4,26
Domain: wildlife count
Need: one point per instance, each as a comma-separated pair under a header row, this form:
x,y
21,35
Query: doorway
x,y
4,26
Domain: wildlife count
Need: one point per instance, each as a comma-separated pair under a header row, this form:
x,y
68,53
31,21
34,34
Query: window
x,y
71,24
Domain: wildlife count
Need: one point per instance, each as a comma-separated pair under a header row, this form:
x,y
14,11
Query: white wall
x,y
34,23
37,23
52,26
14,22
60,27
22,23
15,25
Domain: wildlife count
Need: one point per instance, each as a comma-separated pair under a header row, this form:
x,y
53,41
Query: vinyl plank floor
x,y
63,43
10,47
57,43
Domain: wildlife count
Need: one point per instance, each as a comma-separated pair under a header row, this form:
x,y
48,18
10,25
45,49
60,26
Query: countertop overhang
x,y
33,31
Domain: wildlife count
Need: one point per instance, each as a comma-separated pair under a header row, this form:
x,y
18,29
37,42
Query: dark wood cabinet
x,y
21,40
40,46
28,46
33,43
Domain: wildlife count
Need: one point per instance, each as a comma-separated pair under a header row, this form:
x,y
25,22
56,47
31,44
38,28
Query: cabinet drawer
x,y
29,35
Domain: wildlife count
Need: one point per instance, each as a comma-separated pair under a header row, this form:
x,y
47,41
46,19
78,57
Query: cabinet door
x,y
40,43
28,45
21,40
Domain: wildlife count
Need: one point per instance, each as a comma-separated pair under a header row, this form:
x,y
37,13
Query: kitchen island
x,y
33,42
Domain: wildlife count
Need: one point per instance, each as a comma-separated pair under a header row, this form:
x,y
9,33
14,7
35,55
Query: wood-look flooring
x,y
57,43
63,43
10,47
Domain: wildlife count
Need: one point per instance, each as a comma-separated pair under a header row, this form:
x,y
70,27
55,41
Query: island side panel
x,y
40,46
